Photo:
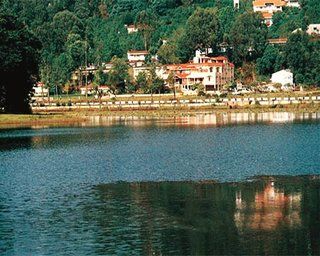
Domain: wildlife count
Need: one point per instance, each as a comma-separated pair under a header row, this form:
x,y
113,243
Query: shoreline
x,y
60,118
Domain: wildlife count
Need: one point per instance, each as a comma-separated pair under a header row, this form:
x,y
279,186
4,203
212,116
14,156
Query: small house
x,y
137,58
39,90
132,29
313,29
283,77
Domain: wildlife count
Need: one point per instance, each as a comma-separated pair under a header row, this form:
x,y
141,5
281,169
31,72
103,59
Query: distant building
x,y
267,17
297,30
211,72
313,29
292,3
132,29
39,90
236,4
137,58
278,41
268,7
283,77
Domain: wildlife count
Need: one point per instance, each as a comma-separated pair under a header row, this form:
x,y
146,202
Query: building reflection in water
x,y
270,209
260,217
203,119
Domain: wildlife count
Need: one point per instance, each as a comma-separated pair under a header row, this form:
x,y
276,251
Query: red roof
x,y
257,3
220,58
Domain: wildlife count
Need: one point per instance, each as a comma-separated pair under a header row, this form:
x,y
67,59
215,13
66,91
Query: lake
x,y
206,184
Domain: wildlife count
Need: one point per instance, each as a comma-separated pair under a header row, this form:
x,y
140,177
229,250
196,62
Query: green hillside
x,y
73,32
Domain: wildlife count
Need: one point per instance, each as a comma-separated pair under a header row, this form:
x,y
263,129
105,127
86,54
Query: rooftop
x,y
258,3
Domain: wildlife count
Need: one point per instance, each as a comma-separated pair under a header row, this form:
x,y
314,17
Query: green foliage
x,y
100,78
299,52
202,29
19,64
167,54
285,22
248,37
69,29
118,75
142,82
271,61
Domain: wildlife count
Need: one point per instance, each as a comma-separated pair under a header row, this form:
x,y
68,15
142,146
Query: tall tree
x,y
167,54
270,62
298,52
146,23
118,75
18,64
202,29
248,37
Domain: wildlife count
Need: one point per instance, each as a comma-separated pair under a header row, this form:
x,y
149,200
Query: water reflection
x,y
271,208
180,218
204,119
266,215
196,119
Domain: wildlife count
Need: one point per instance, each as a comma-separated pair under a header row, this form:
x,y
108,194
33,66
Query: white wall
x,y
282,77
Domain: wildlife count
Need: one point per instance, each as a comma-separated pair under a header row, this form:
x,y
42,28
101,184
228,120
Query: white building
x,y
270,6
293,3
39,90
132,29
313,29
212,72
137,58
236,4
284,77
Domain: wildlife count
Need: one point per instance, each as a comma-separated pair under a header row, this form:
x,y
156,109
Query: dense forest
x,y
75,32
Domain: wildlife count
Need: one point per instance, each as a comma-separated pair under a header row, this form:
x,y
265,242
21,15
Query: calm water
x,y
150,187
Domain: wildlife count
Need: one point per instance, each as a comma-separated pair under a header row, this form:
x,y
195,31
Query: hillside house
x,y
131,29
278,41
292,3
236,4
39,90
268,7
283,77
313,29
211,72
137,58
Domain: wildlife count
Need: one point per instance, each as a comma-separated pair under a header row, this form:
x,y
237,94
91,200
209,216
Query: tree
x,y
167,54
63,24
226,19
146,23
297,54
202,29
19,52
248,37
270,62
155,83
142,82
171,82
100,78
118,75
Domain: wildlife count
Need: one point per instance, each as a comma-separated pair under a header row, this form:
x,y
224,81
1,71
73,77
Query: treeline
x,y
75,32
